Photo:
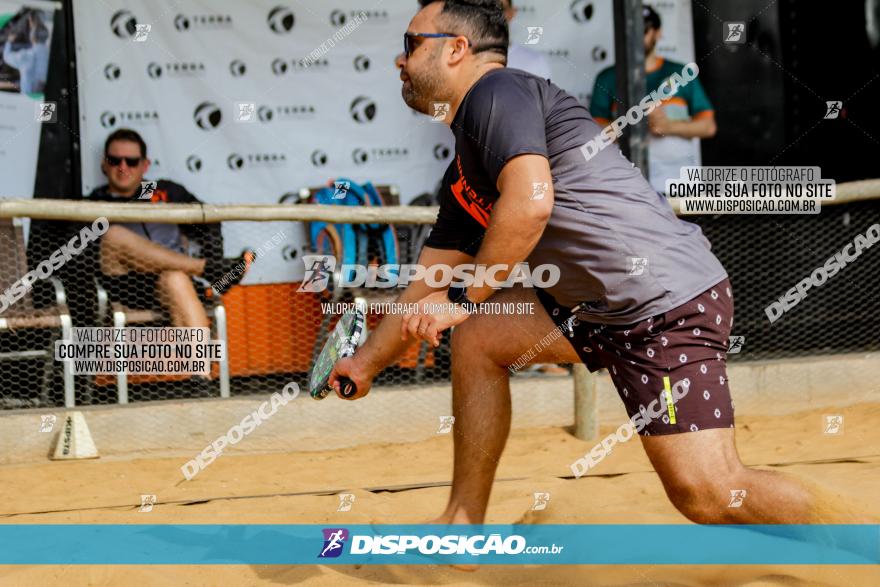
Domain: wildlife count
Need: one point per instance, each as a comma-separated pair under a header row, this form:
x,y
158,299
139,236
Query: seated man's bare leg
x,y
123,251
699,470
178,295
482,348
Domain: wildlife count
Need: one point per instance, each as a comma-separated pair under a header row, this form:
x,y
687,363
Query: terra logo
x,y
334,541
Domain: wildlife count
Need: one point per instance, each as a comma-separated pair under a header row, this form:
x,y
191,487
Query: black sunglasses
x,y
115,161
409,42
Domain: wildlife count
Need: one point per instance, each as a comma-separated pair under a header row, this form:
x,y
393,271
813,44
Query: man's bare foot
x,y
457,518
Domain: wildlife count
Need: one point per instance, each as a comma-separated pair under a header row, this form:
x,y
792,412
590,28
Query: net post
x,y
122,376
67,366
586,412
220,320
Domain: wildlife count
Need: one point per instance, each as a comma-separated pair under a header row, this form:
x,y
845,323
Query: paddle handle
x,y
347,387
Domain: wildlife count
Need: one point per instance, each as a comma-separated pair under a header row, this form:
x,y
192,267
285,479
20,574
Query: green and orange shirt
x,y
666,155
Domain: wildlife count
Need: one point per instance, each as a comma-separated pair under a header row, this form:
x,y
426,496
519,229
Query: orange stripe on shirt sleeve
x,y
703,114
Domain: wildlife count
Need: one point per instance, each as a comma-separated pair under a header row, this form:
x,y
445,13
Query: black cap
x,y
652,19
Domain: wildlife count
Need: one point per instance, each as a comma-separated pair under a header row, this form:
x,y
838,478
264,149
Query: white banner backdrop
x,y
180,85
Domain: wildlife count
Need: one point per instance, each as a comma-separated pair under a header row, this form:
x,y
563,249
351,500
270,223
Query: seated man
x,y
146,260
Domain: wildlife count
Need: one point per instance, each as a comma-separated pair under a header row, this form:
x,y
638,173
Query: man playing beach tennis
x,y
640,292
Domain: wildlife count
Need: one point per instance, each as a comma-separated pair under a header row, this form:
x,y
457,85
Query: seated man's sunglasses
x,y
410,44
115,161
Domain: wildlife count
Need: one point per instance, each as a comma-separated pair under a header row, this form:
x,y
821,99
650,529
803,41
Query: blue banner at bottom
x,y
434,544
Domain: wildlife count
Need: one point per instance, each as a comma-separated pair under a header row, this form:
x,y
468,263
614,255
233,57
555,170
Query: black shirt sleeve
x,y
208,236
454,229
501,117
177,194
504,117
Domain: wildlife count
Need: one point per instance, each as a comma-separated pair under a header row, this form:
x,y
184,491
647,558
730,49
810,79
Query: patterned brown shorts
x,y
684,347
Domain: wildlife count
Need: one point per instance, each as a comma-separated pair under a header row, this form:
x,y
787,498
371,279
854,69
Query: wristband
x,y
458,295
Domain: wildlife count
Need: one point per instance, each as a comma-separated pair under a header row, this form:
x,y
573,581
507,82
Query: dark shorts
x,y
686,346
134,290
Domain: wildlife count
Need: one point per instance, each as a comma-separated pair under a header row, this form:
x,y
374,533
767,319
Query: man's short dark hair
x,y
652,19
126,134
481,21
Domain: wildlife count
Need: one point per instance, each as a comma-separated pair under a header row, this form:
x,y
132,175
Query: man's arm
x,y
702,123
385,343
701,127
517,221
518,218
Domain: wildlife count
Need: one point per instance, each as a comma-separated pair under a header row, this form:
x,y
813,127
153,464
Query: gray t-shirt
x,y
622,252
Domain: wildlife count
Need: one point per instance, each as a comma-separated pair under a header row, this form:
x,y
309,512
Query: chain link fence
x,y
273,331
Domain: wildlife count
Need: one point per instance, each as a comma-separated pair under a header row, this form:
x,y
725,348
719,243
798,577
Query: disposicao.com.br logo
x,y
430,544
322,272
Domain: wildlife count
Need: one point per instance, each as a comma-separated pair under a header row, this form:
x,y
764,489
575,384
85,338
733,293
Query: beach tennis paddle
x,y
342,342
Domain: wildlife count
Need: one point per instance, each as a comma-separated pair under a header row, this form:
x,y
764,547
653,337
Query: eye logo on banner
x,y
289,198
123,24
235,161
441,152
279,66
581,10
319,158
338,18
154,70
181,22
362,109
265,114
359,156
193,164
108,119
361,63
599,54
112,71
281,19
207,116
237,68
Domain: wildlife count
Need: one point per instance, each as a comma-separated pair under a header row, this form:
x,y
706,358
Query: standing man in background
x,y
684,116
